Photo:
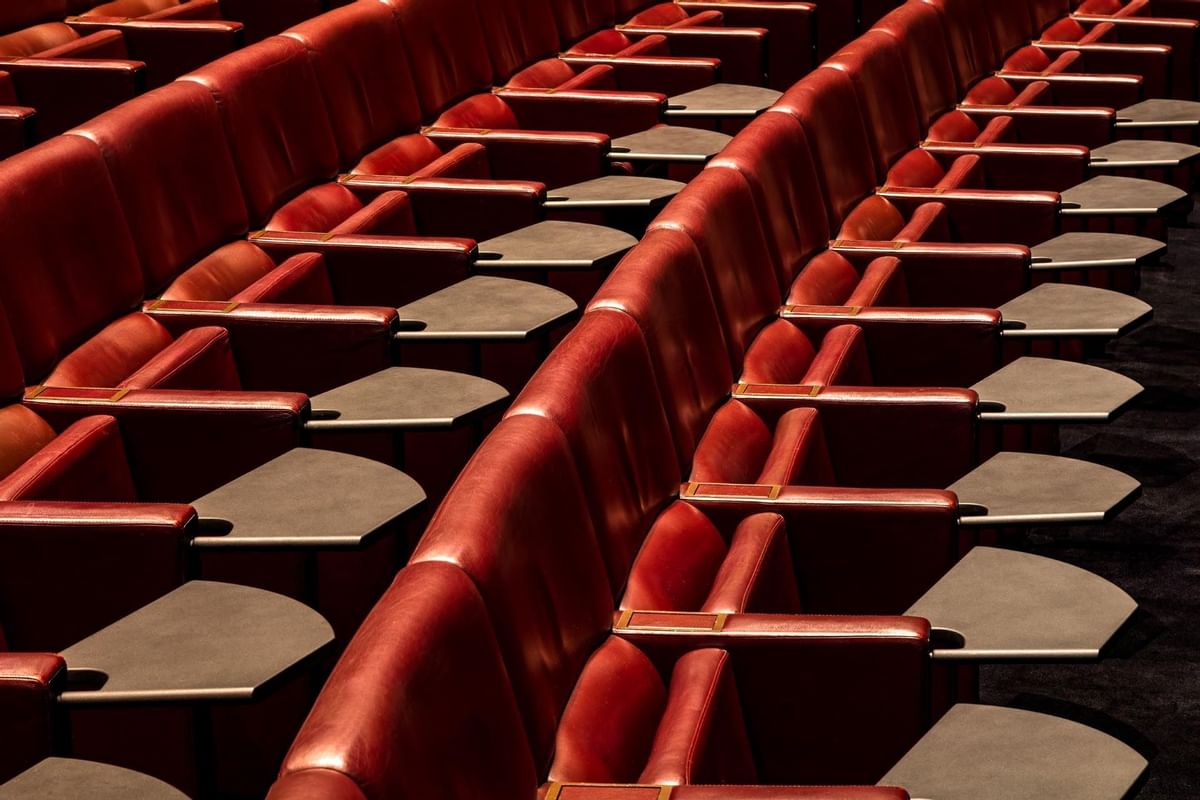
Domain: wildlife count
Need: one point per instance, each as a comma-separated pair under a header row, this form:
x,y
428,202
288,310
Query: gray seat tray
x,y
1033,489
723,100
307,498
1142,154
1108,195
556,245
669,143
72,778
405,398
612,192
1159,113
1085,250
205,641
1012,606
978,752
484,308
1059,309
1034,389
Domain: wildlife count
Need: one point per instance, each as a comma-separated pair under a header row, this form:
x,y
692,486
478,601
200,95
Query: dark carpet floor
x,y
1147,692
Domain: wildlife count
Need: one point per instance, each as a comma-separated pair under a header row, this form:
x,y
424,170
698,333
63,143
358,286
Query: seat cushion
x,y
882,284
782,353
32,41
86,463
678,562
22,434
113,354
799,455
222,274
757,575
827,281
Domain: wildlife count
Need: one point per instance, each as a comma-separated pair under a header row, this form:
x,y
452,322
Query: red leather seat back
x,y
969,38
827,108
86,463
518,32
717,213
14,16
921,36
517,522
445,44
876,68
174,174
68,253
578,18
418,706
358,55
275,121
36,40
828,280
772,153
599,388
661,284
1012,25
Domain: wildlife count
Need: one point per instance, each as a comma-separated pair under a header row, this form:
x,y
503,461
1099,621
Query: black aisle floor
x,y
1147,692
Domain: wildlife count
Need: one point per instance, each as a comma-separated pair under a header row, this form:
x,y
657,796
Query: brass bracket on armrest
x,y
775,390
209,307
75,394
572,791
670,621
732,491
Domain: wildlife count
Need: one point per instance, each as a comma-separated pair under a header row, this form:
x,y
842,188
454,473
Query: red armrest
x,y
553,158
67,92
742,51
919,438
917,346
890,545
937,274
29,684
378,270
841,675
670,75
611,113
1080,89
104,560
1152,62
1021,167
1090,127
979,215
169,49
478,209
794,31
183,444
302,348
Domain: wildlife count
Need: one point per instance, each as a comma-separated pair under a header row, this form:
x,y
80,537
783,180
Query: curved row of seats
x,y
645,585
236,306
233,310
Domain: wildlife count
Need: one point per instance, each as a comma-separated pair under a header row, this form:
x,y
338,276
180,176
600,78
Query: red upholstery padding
x,y
992,91
446,46
882,285
29,684
670,75
661,284
517,522
577,18
33,40
1029,59
555,159
517,32
985,276
86,462
841,360
102,44
22,434
305,348
113,354
275,121
67,92
222,274
418,705
1012,26
302,279
1046,11
402,156
614,114
1025,217
12,376
477,208
827,108
964,173
550,73
717,212
781,354
678,562
59,186
954,127
599,380
918,30
773,155
321,208
757,575
198,359
741,447
702,736
479,111
875,66
874,219
917,168
358,55
173,171
121,557
828,280
608,726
